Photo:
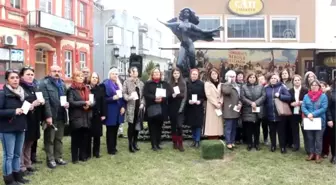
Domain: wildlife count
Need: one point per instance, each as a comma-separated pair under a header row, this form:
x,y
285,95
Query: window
x,y
68,63
210,24
110,32
82,60
242,28
82,15
45,5
284,28
68,9
15,3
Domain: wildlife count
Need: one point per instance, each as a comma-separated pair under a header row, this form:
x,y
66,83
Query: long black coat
x,y
195,113
98,110
78,116
33,117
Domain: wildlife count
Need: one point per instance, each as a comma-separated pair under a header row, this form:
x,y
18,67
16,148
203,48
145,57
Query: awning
x,y
251,45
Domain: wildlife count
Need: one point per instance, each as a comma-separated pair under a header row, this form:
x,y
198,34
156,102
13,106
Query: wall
x,y
325,22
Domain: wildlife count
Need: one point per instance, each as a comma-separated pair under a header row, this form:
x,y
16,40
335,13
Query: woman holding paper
x,y
332,122
80,114
13,124
213,115
115,109
297,94
176,107
253,97
132,93
34,116
314,106
195,107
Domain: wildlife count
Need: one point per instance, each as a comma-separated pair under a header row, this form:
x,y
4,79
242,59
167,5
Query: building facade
x,y
325,24
41,33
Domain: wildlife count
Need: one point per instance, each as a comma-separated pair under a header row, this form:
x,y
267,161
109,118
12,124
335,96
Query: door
x,y
41,64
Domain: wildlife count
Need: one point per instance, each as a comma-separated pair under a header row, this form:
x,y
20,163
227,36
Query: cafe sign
x,y
330,61
245,7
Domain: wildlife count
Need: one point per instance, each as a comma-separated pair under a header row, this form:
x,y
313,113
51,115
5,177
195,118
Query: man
x,y
86,72
53,88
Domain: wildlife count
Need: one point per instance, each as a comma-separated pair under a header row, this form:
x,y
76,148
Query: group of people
x,y
214,107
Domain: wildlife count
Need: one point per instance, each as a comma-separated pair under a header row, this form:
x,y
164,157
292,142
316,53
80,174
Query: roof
x,y
254,45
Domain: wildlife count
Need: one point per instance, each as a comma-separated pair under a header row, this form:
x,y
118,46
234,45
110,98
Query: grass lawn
x,y
172,167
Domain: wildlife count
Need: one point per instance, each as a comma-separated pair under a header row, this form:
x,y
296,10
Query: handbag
x,y
154,111
139,123
283,108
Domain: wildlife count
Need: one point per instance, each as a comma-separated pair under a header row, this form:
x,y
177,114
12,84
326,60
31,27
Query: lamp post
x,y
124,60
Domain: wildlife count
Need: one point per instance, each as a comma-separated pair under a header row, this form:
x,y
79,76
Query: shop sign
x,y
245,7
330,61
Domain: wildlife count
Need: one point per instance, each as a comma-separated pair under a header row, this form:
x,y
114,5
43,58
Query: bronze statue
x,y
186,30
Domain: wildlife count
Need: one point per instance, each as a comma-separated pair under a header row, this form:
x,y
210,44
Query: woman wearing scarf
x,y
34,117
315,105
98,115
176,108
80,115
195,106
213,120
13,124
156,93
115,109
133,94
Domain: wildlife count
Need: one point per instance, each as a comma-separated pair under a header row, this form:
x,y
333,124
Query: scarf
x,y
18,91
27,83
59,84
314,95
156,80
82,89
111,87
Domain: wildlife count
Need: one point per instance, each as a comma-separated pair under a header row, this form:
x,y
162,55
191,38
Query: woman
x,y
297,93
213,120
240,130
308,78
286,80
253,98
34,117
327,132
156,93
315,105
195,108
115,109
132,93
231,109
13,124
276,89
332,122
176,105
80,115
98,115
264,122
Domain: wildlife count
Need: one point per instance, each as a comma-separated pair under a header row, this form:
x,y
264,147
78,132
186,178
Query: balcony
x,y
50,24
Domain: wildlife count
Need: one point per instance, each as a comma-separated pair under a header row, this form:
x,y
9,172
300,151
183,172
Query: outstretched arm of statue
x,y
196,28
169,24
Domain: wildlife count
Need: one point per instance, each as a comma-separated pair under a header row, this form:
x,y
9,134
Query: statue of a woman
x,y
186,30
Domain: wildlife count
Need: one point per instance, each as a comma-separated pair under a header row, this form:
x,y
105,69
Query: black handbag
x,y
154,111
140,118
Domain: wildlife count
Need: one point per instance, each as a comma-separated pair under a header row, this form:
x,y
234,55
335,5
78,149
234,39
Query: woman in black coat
x,y
80,115
156,106
332,121
98,116
34,117
195,109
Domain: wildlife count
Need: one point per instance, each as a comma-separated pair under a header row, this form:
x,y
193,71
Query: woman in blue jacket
x,y
274,90
115,109
315,105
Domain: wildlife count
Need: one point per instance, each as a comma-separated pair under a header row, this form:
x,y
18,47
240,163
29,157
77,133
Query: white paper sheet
x,y
218,112
135,95
256,110
119,93
25,107
39,96
63,100
296,110
316,124
160,92
91,98
176,90
194,97
235,108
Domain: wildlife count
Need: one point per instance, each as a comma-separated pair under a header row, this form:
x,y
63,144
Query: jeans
x,y
12,143
230,126
196,134
315,138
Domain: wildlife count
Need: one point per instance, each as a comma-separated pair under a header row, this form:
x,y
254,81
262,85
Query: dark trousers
x,y
176,129
280,128
33,156
326,140
155,131
295,130
79,140
288,131
333,140
253,132
111,138
132,134
264,125
95,148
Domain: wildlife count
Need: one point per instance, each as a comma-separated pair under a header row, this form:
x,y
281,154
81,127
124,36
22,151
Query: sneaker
x,y
61,162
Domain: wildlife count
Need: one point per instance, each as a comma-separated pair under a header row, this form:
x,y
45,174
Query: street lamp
x,y
124,60
116,52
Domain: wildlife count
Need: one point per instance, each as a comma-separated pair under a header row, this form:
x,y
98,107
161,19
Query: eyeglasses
x,y
28,67
12,71
56,71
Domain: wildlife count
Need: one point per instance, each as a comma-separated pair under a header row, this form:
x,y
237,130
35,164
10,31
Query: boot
x,y
135,143
9,180
193,144
333,160
130,148
249,147
174,138
180,143
18,177
311,157
318,159
197,144
273,148
283,150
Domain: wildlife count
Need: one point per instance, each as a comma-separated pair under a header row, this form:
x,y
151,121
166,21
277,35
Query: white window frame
x,y
82,14
13,3
68,63
82,62
68,9
46,4
285,17
214,16
259,17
